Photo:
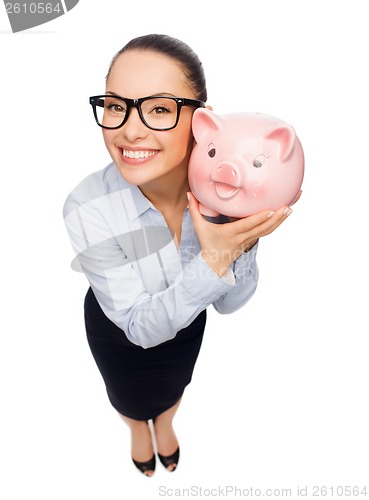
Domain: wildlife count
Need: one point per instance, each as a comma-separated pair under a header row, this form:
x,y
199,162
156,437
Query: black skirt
x,y
141,383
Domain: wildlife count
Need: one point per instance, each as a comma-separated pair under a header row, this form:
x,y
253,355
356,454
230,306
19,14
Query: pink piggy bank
x,y
243,163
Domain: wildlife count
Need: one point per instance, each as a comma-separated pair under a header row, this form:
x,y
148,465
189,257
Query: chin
x,y
136,176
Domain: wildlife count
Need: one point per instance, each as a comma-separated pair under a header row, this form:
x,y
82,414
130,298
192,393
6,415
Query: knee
x,y
133,424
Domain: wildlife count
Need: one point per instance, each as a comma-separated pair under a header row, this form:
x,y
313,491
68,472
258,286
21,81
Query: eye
x,y
115,107
160,110
259,161
211,150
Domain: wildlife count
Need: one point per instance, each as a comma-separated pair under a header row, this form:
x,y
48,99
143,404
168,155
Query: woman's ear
x,y
209,107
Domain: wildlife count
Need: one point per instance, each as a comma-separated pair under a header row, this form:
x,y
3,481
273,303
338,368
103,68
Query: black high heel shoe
x,y
143,467
171,459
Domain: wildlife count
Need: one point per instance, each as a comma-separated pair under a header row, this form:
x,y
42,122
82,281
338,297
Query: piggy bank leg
x,y
207,211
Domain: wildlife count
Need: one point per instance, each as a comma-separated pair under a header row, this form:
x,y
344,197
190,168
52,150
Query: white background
x,y
279,397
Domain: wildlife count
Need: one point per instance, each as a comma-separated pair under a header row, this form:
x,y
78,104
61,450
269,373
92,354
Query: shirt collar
x,y
140,203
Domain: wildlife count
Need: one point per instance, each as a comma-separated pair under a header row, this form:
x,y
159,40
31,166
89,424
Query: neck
x,y
169,191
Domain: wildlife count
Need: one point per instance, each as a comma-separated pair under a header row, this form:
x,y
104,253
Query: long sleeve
x,y
246,276
143,283
147,318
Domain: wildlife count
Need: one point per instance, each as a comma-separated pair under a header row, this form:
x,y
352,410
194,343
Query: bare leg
x,y
142,448
165,437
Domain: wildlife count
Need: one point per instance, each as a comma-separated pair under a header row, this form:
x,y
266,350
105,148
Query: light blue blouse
x,y
144,284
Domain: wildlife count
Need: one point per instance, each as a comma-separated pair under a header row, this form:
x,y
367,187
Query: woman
x,y
154,263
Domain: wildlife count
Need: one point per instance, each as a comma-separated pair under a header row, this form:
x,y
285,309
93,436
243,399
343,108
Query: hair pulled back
x,y
178,51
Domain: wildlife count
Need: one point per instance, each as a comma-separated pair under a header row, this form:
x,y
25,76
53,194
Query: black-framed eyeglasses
x,y
156,112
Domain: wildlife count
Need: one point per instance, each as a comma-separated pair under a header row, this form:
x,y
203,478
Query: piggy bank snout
x,y
227,180
226,173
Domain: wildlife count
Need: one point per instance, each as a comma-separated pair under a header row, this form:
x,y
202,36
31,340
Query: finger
x,y
274,221
193,206
252,221
268,222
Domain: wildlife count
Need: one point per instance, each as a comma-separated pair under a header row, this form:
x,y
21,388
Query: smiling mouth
x,y
137,154
225,191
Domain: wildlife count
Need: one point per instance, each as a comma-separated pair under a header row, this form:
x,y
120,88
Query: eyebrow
x,y
161,94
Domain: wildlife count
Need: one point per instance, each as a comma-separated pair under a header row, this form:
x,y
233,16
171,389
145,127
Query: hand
x,y
222,244
295,200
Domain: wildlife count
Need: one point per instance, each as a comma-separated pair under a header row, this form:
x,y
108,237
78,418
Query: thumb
x,y
193,206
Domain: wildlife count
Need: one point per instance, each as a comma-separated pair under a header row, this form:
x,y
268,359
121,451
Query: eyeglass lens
x,y
159,113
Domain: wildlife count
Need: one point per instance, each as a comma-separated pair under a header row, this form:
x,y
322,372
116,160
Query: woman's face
x,y
139,74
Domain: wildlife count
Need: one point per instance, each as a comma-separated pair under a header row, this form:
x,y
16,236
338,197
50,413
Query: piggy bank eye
x,y
259,161
211,150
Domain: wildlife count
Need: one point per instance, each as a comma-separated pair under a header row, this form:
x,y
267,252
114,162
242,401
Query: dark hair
x,y
177,50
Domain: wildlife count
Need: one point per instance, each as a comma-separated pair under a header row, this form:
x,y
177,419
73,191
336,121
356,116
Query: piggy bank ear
x,y
285,135
204,120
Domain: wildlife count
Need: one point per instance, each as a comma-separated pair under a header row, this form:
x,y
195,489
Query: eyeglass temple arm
x,y
194,102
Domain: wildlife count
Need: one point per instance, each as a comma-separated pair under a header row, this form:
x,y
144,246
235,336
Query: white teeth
x,y
138,154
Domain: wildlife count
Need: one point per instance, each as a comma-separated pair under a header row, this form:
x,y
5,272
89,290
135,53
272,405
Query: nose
x,y
226,173
134,128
